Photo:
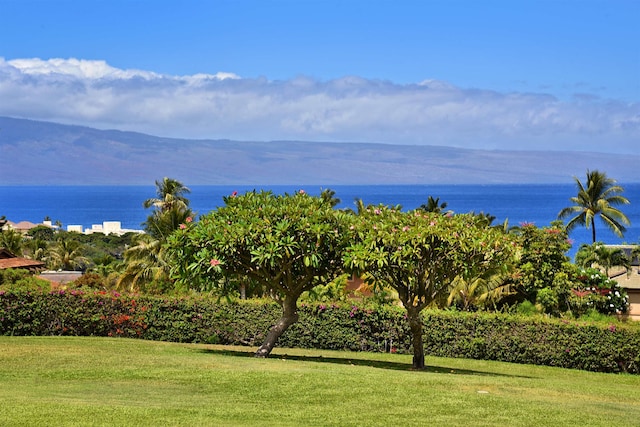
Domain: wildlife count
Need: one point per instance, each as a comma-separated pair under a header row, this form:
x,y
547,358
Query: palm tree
x,y
144,264
434,205
598,255
478,292
599,196
329,196
12,241
161,223
170,193
67,254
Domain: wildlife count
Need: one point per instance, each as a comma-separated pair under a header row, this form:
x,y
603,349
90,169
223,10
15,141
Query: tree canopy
x,y
599,196
420,255
287,243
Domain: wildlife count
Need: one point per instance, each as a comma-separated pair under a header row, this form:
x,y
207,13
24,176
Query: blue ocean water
x,y
87,205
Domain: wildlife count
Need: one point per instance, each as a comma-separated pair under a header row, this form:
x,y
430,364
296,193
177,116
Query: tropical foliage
x,y
598,196
146,267
67,254
599,255
288,244
434,205
422,254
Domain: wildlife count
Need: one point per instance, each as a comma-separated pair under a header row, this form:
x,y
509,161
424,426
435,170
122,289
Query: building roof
x,y
23,225
626,280
9,260
20,263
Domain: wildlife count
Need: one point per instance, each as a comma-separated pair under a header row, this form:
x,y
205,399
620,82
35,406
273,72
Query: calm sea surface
x,y
87,205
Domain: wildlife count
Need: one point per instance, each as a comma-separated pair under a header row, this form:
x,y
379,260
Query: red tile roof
x,y
20,263
9,260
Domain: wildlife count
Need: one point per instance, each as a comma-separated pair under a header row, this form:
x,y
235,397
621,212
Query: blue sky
x,y
561,74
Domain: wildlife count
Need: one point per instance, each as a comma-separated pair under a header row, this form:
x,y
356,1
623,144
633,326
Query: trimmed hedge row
x,y
613,348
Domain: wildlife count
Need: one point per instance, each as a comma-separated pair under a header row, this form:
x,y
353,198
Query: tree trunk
x,y
415,324
289,317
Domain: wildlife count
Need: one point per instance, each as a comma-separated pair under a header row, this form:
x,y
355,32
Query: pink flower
x,y
405,228
189,219
377,212
182,226
301,192
214,262
432,223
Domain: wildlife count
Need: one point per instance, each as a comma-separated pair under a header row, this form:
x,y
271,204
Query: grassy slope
x,y
98,381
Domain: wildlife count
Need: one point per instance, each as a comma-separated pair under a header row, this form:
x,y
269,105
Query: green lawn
x,y
98,381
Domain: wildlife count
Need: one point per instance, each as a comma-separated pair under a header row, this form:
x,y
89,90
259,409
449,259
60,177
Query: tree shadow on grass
x,y
353,361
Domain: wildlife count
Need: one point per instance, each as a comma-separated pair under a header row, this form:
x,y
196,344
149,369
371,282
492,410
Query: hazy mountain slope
x,y
33,152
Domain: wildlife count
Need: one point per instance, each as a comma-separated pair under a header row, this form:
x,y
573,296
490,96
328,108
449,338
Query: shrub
x,y
597,292
22,280
608,346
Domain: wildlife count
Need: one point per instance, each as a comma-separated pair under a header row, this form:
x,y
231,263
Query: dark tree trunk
x,y
415,324
289,317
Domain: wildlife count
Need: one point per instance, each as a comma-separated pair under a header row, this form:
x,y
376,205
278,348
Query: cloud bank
x,y
224,105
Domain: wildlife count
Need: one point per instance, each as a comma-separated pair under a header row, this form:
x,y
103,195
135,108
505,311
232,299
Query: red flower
x,y
189,219
234,194
214,262
182,226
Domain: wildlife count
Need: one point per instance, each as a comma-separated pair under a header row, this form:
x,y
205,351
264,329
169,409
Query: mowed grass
x,y
74,381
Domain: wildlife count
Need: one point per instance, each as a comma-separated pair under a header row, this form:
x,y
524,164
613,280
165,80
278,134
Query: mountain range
x,y
43,153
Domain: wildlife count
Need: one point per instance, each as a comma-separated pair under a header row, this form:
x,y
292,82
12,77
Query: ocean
x,y
88,205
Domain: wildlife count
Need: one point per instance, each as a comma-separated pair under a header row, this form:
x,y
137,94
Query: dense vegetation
x,y
297,248
596,346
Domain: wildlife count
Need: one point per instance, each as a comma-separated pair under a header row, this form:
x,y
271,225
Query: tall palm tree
x,y
161,223
144,263
599,197
170,193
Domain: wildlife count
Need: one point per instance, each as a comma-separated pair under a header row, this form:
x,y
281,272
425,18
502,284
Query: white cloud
x,y
223,105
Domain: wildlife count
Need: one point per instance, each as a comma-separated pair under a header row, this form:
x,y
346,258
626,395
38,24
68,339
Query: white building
x,y
107,227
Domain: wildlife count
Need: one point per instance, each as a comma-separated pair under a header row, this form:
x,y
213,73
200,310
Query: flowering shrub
x,y
597,292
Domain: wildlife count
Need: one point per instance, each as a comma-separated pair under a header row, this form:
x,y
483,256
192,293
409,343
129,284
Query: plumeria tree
x,y
288,244
420,255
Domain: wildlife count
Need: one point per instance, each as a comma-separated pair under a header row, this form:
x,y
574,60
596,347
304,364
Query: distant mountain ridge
x,y
39,153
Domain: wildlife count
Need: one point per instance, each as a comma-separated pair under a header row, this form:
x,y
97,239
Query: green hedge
x,y
604,348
